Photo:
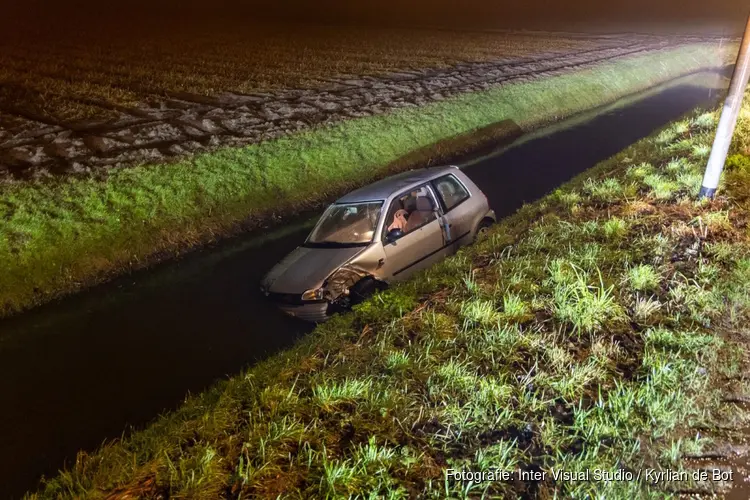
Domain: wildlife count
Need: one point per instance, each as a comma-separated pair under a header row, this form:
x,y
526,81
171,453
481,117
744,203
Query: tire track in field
x,y
181,124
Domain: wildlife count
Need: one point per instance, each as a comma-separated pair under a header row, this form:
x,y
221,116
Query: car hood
x,y
306,268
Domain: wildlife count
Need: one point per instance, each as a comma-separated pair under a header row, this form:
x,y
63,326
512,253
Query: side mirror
x,y
393,235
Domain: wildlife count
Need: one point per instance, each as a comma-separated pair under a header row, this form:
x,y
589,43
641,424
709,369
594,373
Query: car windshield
x,y
347,224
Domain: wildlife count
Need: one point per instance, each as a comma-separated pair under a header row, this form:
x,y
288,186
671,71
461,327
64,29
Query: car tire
x,y
482,229
364,289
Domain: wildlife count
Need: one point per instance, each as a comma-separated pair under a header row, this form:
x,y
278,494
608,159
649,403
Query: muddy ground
x,y
728,438
34,145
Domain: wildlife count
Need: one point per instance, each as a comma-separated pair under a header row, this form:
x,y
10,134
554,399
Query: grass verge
x,y
57,236
593,329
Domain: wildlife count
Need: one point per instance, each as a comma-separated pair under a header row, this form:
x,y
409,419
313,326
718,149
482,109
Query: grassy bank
x,y
58,236
600,327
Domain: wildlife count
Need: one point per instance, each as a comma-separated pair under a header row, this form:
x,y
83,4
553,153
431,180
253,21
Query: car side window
x,y
451,191
411,210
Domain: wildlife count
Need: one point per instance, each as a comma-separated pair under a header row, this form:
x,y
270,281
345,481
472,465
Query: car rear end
x,y
465,215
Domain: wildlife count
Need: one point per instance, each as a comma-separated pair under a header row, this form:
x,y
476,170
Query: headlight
x,y
316,294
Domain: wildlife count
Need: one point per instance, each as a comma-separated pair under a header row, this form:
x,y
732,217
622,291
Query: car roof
x,y
384,188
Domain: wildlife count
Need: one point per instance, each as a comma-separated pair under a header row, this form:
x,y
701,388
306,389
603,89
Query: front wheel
x,y
364,289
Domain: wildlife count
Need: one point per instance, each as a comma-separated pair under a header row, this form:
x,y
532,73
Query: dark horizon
x,y
721,16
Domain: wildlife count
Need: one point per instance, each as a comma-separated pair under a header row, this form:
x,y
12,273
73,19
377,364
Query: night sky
x,y
484,13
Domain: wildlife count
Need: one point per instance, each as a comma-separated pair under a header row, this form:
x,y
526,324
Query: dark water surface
x,y
79,371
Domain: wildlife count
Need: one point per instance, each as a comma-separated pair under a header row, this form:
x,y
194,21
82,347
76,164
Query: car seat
x,y
424,212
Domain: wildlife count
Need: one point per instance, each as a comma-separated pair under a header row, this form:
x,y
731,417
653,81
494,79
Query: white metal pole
x,y
728,120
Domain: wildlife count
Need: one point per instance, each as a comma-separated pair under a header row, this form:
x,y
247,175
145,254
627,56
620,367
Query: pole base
x,y
706,192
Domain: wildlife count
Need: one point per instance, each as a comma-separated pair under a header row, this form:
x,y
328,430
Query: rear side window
x,y
451,191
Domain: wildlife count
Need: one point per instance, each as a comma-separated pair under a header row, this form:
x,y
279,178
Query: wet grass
x,y
583,332
60,235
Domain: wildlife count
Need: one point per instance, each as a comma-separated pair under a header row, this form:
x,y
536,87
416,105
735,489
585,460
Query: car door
x,y
422,245
459,213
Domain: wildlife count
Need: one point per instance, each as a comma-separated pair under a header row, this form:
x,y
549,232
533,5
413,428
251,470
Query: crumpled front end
x,y
338,284
334,297
313,283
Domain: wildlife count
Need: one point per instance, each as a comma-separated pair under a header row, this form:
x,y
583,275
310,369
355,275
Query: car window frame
x,y
436,202
439,196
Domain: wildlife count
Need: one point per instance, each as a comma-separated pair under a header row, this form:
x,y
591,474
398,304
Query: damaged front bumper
x,y
315,311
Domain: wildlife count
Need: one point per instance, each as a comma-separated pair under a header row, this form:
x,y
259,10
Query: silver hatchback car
x,y
377,235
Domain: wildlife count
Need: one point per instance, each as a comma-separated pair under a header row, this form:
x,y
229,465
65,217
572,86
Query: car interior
x,y
418,208
349,224
451,191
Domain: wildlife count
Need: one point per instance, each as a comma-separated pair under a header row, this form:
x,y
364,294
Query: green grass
x,y
643,278
505,355
604,191
57,236
585,307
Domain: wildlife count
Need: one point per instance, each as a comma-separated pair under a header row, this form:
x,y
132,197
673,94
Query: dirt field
x,y
95,100
53,71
